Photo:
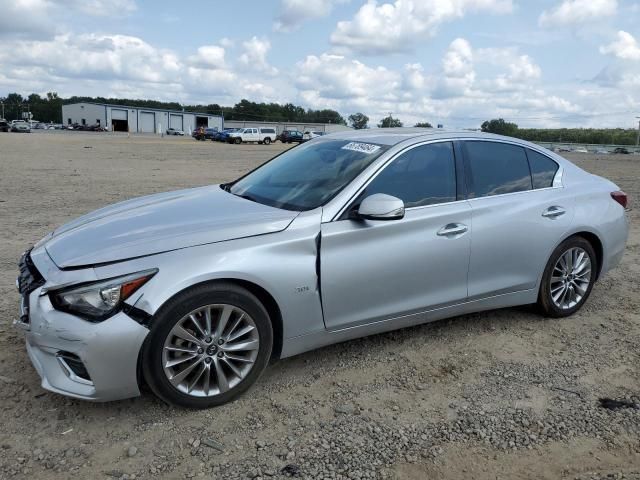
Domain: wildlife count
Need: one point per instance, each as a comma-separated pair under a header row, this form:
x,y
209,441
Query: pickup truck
x,y
264,135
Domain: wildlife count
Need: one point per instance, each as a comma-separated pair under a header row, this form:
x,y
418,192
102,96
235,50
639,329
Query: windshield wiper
x,y
246,196
227,188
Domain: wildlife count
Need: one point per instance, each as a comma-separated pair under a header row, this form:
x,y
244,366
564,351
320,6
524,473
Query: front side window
x,y
424,175
496,168
543,169
307,176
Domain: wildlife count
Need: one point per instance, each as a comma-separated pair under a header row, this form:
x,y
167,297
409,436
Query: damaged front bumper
x,y
78,358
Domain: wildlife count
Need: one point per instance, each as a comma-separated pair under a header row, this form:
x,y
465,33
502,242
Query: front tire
x,y
237,141
568,278
207,345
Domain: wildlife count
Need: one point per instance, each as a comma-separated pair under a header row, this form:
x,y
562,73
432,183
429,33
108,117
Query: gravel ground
x,y
505,394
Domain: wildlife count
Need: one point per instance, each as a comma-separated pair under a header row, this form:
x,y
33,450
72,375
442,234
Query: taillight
x,y
620,197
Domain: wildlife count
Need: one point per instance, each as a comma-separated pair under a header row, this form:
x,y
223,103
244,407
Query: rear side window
x,y
424,175
267,130
496,168
543,169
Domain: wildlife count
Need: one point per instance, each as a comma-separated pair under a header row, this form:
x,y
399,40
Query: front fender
x,y
282,263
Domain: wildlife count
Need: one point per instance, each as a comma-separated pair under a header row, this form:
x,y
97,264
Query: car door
x,y
519,215
375,270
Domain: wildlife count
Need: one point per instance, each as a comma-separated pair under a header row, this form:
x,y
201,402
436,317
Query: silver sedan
x,y
347,235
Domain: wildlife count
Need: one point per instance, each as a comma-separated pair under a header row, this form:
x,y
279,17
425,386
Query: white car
x,y
308,135
264,135
581,150
175,131
20,126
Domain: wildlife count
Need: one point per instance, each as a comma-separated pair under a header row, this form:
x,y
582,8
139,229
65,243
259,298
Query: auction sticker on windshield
x,y
367,148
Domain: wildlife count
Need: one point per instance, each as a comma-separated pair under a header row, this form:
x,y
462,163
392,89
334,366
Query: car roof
x,y
393,136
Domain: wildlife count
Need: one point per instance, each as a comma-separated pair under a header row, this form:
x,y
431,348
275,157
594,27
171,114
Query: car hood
x,y
160,223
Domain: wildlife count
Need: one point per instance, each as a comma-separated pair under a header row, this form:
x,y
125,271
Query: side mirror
x,y
381,206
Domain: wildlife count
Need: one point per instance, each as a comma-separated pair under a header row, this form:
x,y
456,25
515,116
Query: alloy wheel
x,y
570,278
210,350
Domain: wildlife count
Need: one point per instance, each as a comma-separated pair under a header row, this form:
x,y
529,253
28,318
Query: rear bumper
x,y
108,351
617,234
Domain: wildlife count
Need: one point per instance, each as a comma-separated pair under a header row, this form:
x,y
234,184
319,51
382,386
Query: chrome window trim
x,y
557,179
394,156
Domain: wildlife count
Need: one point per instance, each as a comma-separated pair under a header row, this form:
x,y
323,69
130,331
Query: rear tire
x,y
568,278
266,141
222,366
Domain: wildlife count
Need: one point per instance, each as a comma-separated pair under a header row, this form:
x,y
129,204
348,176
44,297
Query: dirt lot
x,y
504,394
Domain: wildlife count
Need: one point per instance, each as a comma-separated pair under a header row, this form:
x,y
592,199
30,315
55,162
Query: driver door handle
x,y
553,212
452,229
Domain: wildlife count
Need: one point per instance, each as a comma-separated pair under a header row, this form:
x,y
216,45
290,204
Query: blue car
x,y
223,136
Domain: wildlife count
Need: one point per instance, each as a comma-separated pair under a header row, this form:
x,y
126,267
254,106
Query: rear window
x,y
496,168
267,130
543,169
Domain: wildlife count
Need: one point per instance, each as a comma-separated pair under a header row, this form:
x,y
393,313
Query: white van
x,y
264,135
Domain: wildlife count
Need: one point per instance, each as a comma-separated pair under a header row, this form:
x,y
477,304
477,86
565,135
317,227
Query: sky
x,y
542,63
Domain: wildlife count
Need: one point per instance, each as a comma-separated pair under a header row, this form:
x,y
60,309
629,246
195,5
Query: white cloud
x,y
209,56
255,55
40,19
458,74
337,77
293,13
95,56
577,12
625,47
397,27
468,84
26,19
623,72
100,8
415,78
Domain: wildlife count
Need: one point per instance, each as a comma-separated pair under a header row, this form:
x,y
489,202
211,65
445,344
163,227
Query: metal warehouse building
x,y
121,118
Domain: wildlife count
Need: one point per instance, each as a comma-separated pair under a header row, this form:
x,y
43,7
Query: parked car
x,y
20,127
193,292
264,135
223,136
602,151
198,133
175,131
4,126
309,135
581,150
621,150
288,136
210,133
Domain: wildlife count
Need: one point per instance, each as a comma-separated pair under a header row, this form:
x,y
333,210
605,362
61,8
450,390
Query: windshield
x,y
309,175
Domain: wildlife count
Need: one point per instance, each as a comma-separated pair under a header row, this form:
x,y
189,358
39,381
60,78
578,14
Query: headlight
x,y
98,301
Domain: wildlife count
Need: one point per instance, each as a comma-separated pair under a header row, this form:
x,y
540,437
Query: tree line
x,y
49,109
615,136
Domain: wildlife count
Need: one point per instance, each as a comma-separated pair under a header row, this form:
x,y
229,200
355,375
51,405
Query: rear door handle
x,y
553,212
452,229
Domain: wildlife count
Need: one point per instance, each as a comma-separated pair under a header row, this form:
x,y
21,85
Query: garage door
x,y
117,114
175,121
147,122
